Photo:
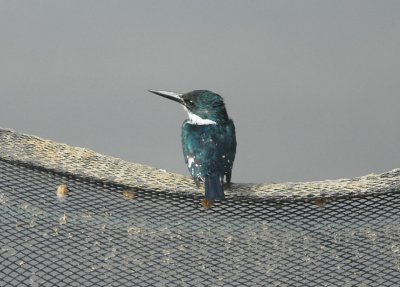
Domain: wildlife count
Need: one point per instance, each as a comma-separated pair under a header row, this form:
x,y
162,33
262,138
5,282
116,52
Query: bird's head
x,y
203,107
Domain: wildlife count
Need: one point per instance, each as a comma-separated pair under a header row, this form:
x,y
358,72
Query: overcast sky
x,y
312,86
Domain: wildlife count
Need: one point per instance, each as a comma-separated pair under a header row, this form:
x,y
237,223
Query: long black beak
x,y
169,95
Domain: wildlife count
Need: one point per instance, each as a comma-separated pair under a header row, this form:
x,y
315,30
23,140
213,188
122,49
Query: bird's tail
x,y
214,187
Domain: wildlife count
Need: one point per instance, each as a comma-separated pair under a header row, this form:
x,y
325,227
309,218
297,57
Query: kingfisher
x,y
208,140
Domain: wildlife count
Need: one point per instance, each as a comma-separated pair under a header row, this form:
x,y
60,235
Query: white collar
x,y
196,120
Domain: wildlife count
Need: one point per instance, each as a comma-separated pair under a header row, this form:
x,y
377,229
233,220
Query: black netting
x,y
98,237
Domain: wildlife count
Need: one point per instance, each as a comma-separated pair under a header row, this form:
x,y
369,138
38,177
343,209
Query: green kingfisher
x,y
208,139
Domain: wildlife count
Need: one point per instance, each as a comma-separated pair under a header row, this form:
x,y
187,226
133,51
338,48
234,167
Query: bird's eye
x,y
189,102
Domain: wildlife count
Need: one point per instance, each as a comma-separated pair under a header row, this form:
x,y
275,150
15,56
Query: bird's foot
x,y
207,203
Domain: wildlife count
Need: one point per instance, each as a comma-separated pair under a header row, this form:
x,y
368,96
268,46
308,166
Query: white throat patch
x,y
196,120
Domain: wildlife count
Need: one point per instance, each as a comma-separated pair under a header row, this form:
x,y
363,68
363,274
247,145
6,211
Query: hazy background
x,y
313,86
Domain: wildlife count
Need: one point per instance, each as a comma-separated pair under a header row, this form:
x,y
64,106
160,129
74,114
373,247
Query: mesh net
x,y
103,235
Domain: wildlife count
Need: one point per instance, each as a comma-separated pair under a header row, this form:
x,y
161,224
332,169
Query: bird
x,y
208,140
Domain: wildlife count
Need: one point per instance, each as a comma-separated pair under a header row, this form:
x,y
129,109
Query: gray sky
x,y
313,86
